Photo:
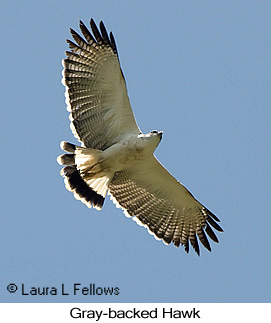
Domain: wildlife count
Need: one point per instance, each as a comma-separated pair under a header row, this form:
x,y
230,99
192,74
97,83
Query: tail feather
x,y
88,186
68,147
66,159
100,185
82,191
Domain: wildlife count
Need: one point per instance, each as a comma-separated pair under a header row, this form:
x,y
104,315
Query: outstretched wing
x,y
155,199
96,94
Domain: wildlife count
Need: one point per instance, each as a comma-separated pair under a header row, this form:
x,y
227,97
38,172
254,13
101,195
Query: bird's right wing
x,y
96,94
150,194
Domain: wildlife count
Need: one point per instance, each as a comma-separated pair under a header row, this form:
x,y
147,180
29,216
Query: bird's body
x,y
115,156
129,151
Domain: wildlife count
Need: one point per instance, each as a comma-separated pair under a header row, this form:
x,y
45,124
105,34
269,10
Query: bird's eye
x,y
154,131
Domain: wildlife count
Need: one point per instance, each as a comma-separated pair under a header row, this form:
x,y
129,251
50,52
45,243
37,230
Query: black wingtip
x,y
86,32
96,31
73,32
186,246
98,36
203,239
214,224
113,43
194,242
104,33
212,215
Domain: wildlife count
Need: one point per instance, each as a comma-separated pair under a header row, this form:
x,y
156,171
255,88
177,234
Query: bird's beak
x,y
160,133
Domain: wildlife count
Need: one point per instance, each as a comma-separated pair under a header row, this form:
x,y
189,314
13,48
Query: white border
x,y
61,312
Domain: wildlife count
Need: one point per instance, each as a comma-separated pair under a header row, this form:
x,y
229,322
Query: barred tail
x,y
83,174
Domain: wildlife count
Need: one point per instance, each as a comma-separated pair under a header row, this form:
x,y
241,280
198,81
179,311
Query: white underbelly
x,y
122,155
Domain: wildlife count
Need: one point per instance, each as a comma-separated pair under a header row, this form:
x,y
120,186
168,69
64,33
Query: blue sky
x,y
199,71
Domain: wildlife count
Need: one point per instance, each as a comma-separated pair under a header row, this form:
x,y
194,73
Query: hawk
x,y
115,156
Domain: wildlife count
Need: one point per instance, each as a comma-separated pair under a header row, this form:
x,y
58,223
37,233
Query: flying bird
x,y
115,156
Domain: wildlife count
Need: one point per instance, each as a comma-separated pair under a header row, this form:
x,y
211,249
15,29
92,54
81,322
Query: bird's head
x,y
150,135
150,139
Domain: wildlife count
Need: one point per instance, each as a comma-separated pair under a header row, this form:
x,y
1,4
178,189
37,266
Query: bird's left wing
x,y
96,94
150,194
